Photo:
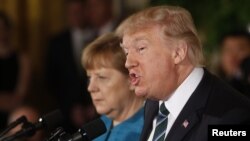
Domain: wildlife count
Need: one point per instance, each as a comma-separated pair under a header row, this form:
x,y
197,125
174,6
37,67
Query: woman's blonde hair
x,y
175,22
105,51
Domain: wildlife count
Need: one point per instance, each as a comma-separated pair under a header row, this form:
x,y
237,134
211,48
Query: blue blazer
x,y
129,130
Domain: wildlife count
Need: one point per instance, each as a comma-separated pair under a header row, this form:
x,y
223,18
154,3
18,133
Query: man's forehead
x,y
134,38
141,34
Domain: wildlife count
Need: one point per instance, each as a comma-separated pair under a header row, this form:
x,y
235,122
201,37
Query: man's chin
x,y
141,93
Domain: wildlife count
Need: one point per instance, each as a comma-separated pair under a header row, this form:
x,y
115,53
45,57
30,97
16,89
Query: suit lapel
x,y
182,127
151,110
192,111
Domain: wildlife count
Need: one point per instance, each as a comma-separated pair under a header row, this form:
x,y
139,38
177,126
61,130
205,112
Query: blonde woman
x,y
111,91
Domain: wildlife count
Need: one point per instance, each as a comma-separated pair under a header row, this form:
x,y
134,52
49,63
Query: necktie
x,y
161,123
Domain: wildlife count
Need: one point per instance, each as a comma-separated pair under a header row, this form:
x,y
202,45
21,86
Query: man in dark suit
x,y
164,59
66,77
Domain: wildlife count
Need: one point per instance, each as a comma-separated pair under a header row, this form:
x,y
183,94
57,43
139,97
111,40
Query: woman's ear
x,y
180,52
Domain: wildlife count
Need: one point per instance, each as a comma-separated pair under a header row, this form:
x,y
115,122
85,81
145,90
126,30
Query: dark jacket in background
x,y
65,81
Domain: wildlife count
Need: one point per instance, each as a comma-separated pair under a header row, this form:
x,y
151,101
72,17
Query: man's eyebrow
x,y
135,41
140,39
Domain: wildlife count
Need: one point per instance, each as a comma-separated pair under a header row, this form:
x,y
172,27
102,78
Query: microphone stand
x,y
48,121
28,130
81,135
56,134
12,125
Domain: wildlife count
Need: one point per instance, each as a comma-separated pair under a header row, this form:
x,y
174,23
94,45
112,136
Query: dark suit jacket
x,y
213,102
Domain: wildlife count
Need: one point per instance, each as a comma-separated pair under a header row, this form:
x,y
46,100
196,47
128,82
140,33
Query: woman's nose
x,y
92,87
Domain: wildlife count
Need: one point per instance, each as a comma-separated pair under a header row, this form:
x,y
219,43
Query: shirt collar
x,y
181,95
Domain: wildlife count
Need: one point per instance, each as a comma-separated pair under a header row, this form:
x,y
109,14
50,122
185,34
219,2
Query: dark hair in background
x,y
235,33
6,20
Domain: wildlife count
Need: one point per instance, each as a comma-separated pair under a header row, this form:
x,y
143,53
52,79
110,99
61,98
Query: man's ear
x,y
180,51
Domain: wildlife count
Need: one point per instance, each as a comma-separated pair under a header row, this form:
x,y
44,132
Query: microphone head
x,y
94,129
51,120
21,119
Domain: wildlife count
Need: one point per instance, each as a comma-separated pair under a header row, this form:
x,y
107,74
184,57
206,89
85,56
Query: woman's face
x,y
110,91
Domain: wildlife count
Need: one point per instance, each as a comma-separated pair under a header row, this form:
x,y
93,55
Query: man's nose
x,y
130,61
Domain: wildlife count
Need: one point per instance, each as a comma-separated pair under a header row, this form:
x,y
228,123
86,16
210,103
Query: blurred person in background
x,y
66,78
14,72
101,16
32,116
111,90
235,48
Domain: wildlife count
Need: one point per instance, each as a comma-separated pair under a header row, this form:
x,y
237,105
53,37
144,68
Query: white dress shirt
x,y
179,98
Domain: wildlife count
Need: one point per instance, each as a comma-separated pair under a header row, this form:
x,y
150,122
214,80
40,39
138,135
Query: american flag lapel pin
x,y
185,123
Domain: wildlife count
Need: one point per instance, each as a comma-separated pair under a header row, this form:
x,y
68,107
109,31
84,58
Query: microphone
x,y
87,133
48,122
21,119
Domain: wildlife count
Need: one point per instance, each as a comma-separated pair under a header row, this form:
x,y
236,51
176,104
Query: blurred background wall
x,y
33,22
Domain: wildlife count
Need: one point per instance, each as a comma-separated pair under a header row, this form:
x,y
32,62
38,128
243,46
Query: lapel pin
x,y
185,124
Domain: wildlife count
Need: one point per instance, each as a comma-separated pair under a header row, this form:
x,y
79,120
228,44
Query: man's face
x,y
234,50
150,62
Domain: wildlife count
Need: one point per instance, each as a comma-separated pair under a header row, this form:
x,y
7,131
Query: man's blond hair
x,y
175,22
